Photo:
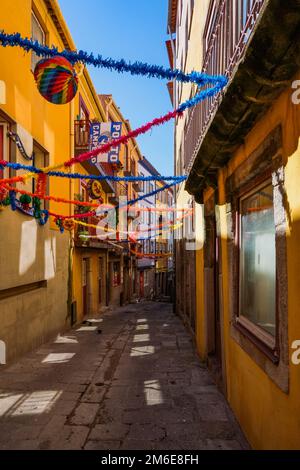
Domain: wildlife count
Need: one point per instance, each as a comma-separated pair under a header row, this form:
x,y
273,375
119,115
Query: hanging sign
x,y
102,133
95,190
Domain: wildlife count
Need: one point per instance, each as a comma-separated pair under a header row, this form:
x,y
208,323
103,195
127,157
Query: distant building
x,y
147,233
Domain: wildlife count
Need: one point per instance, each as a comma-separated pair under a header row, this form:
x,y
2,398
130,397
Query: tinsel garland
x,y
90,204
129,179
120,66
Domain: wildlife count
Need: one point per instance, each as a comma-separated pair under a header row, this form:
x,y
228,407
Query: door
x,y
101,281
142,284
85,262
212,274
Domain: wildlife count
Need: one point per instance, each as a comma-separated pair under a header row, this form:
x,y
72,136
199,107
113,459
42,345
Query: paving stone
x,y
109,432
138,444
117,394
64,408
85,414
24,444
222,444
95,393
102,445
213,411
146,432
70,438
54,426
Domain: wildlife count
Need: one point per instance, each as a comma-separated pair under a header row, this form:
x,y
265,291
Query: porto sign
x,y
101,133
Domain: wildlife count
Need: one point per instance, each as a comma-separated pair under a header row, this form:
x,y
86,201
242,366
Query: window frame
x,y
5,150
34,59
257,333
267,159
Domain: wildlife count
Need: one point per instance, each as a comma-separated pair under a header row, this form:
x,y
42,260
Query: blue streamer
x,y
12,200
33,169
120,66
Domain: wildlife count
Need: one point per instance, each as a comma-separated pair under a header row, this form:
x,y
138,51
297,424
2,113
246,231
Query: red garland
x,y
41,184
124,138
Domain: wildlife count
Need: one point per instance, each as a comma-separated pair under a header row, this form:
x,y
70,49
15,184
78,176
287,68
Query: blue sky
x,y
133,30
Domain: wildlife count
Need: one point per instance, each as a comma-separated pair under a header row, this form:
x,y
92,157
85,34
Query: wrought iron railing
x,y
81,135
228,29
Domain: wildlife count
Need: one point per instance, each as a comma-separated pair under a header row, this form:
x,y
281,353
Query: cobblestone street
x,y
127,380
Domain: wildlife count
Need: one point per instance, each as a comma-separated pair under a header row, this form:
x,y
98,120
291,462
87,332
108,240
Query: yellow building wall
x,y
269,417
30,253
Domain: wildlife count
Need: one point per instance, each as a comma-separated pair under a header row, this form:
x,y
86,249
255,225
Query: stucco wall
x,y
269,417
28,254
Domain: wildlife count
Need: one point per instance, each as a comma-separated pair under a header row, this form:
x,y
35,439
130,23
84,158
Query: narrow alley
x,y
129,379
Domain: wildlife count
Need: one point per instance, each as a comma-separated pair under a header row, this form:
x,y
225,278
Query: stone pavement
x,y
135,384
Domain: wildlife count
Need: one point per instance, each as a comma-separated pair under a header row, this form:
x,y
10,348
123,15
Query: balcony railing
x,y
81,135
228,29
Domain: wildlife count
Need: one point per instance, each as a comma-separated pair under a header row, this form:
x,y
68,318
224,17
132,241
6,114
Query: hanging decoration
x,y
218,82
25,200
4,198
68,225
120,66
95,190
56,80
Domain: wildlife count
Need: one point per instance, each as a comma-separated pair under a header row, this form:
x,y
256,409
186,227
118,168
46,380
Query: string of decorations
x,y
130,179
120,66
57,82
82,203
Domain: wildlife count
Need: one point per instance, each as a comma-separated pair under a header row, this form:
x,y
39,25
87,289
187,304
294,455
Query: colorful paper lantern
x,y
56,80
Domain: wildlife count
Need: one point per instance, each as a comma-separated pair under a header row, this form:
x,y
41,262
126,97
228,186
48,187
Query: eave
x,y
172,15
271,61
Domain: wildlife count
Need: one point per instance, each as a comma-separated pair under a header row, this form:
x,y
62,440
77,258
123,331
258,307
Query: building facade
x,y
49,279
240,151
35,274
146,232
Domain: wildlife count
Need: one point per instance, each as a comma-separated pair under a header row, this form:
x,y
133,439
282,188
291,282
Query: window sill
x,y
266,349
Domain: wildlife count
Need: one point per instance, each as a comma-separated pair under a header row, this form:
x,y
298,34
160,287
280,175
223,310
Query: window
x,y
258,259
40,160
127,158
1,147
116,281
38,34
146,278
142,183
4,148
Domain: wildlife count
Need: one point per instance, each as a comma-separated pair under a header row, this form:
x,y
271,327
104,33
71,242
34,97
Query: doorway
x,y
101,282
212,298
85,286
142,285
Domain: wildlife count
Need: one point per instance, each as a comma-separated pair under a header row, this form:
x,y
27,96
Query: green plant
x,y
81,209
